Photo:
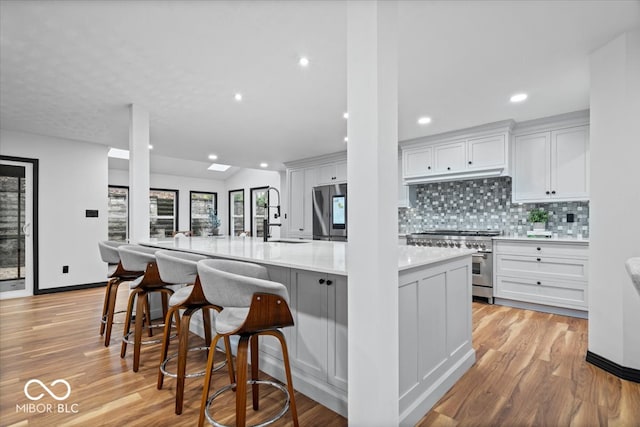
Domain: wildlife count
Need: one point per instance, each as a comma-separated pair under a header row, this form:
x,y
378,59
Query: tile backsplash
x,y
486,204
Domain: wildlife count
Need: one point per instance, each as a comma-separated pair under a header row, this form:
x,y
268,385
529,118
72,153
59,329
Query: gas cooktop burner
x,y
457,233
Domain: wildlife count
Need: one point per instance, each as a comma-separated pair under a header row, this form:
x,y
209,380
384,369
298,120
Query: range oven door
x,y
482,269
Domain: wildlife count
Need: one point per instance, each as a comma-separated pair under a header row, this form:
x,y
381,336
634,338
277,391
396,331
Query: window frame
x,y
128,227
215,205
244,210
176,207
251,192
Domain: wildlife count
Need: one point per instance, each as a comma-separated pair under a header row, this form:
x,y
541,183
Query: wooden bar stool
x,y
117,275
181,268
252,305
134,258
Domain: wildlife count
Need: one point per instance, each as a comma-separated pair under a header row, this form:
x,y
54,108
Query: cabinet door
x,y
341,171
531,178
308,349
338,339
487,152
449,157
310,181
326,174
417,162
570,163
296,214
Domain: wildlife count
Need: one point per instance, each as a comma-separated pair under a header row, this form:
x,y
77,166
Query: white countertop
x,y
633,267
544,239
313,255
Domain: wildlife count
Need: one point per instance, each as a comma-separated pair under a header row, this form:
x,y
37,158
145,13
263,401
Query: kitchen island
x,y
435,315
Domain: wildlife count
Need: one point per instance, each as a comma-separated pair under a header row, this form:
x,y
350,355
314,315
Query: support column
x,y
372,92
138,173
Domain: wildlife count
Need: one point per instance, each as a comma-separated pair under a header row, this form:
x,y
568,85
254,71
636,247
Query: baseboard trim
x,y
629,374
69,288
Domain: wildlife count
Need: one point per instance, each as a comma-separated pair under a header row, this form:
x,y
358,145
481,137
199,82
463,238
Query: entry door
x,y
16,229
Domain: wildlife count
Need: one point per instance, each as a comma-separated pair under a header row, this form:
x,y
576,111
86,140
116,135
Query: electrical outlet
x,y
571,217
65,269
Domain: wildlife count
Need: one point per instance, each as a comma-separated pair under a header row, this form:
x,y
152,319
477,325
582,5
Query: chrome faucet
x,y
265,223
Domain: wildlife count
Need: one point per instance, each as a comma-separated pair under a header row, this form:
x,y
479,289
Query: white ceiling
x,y
69,69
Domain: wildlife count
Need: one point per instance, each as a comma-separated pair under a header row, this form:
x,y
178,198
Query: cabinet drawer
x,y
541,267
551,292
542,248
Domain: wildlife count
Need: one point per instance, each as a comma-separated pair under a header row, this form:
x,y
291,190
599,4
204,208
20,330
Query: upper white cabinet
x,y
332,173
450,157
473,153
552,165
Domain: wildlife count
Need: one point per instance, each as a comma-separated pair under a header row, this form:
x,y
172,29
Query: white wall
x,y
184,185
614,308
251,178
72,178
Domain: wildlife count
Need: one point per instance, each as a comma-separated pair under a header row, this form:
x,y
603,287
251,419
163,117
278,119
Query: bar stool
x,y
252,305
117,275
134,258
181,268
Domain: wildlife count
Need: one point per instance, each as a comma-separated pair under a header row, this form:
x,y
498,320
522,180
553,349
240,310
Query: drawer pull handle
x,y
329,282
321,281
538,259
539,249
538,283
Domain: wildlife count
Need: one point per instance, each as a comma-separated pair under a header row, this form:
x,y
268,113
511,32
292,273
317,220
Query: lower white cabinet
x,y
550,273
318,341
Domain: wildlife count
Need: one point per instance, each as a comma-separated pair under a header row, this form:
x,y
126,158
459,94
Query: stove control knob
x,y
439,244
483,246
452,244
475,245
457,244
468,244
429,243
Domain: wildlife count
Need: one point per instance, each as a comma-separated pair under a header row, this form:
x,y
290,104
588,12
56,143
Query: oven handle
x,y
479,255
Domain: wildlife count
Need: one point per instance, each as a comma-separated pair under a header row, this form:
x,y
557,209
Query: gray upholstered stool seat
x,y
136,258
252,305
181,268
117,275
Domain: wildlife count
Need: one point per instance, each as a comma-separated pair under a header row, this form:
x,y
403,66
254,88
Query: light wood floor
x,y
530,370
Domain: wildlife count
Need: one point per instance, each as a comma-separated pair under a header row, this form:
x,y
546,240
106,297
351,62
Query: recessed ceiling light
x,y
218,167
264,165
519,97
117,153
346,139
213,157
150,147
303,61
238,97
345,115
424,120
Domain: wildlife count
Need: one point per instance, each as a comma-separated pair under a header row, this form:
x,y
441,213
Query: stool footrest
x,y
126,339
163,365
272,420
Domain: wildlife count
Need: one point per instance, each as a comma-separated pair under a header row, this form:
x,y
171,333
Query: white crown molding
x,y
575,118
472,132
318,160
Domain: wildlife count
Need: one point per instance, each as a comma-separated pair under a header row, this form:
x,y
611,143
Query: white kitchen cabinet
x,y
450,157
318,343
548,273
333,173
417,162
487,152
552,165
299,216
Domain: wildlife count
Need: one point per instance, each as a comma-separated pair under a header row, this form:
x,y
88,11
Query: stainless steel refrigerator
x,y
330,212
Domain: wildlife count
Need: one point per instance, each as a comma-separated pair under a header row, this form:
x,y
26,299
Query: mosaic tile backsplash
x,y
486,204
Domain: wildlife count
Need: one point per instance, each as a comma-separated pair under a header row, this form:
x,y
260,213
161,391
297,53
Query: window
x,y
236,212
259,210
12,221
118,216
202,206
163,212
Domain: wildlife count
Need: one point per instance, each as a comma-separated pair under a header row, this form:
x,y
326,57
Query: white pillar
x,y
614,306
138,173
372,92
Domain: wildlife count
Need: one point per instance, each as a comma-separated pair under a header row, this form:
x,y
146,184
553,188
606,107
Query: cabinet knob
x,y
448,168
321,281
553,192
429,167
539,249
538,283
538,259
470,162
547,192
329,282
300,229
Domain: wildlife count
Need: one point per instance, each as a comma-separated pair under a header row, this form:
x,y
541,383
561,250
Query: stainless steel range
x,y
480,240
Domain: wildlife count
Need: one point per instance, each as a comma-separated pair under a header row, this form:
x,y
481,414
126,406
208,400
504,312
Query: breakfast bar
x,y
435,315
